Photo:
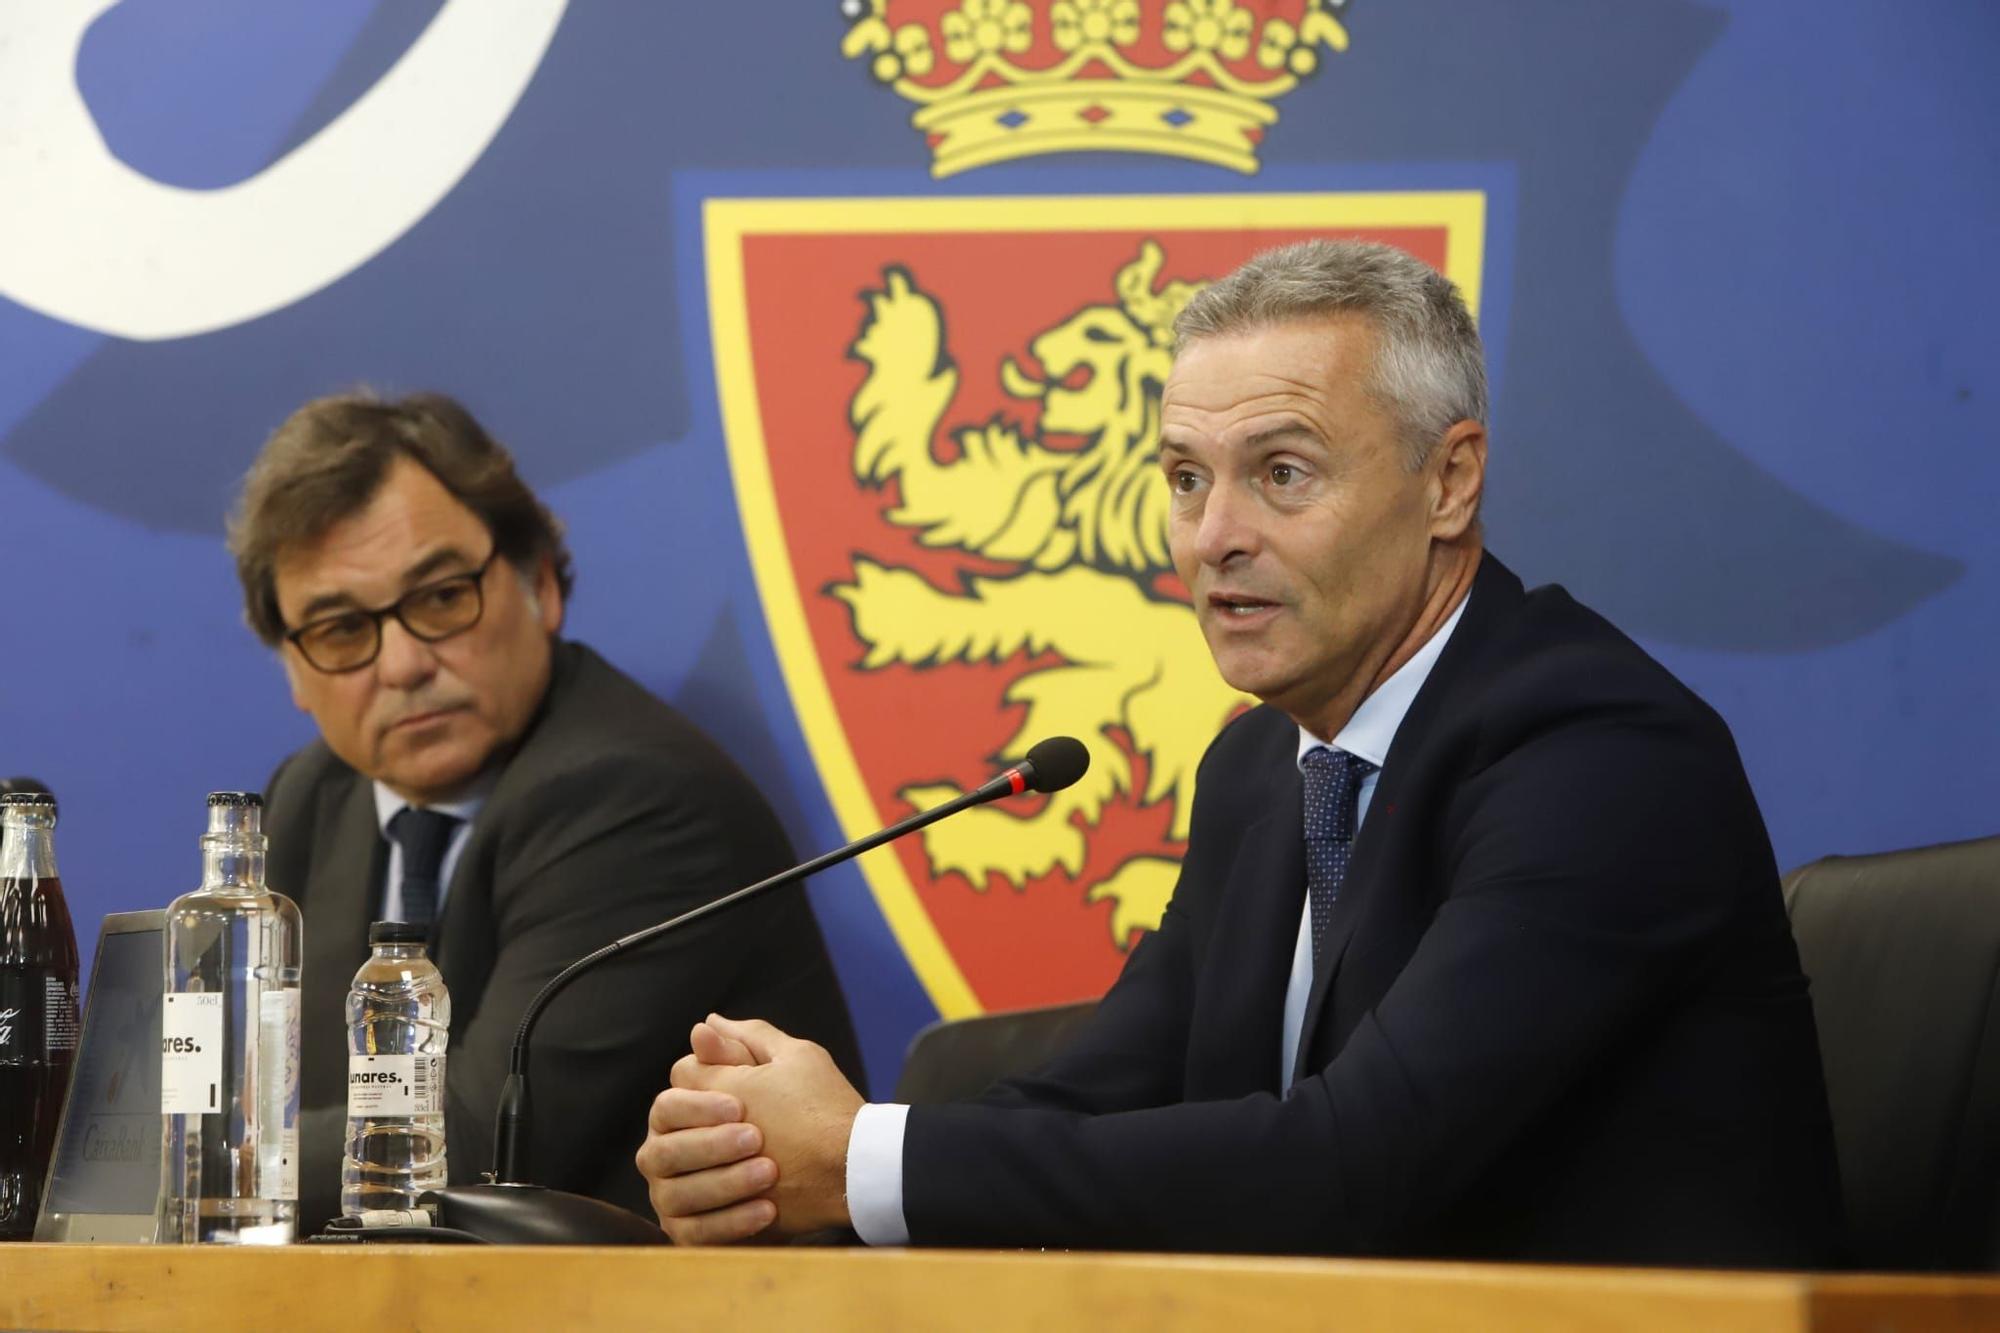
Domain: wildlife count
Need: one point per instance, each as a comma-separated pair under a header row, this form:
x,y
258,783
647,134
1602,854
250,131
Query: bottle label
x,y
191,1053
58,1014
395,1085
278,1142
288,1165
37,1014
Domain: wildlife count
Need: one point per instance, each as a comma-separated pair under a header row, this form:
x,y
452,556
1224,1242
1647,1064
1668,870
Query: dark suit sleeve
x,y
1589,868
1130,1051
598,851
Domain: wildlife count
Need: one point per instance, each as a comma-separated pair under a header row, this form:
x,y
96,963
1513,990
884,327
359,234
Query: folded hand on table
x,y
751,1139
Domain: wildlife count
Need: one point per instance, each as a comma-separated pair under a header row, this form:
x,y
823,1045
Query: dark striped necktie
x,y
423,835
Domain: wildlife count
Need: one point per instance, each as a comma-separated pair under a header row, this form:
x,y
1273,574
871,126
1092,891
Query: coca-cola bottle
x,y
38,968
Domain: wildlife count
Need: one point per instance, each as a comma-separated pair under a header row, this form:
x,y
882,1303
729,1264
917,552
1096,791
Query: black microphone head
x,y
1055,763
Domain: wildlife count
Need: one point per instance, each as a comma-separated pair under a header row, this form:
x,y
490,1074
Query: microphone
x,y
507,1209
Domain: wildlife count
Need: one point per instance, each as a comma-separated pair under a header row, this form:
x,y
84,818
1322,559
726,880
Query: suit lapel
x,y
1407,782
344,883
1250,955
459,940
338,898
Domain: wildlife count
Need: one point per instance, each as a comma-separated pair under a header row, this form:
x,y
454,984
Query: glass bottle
x,y
229,1049
38,975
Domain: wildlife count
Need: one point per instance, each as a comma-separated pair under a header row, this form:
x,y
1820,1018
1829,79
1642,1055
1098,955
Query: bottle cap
x,y
27,798
398,932
235,798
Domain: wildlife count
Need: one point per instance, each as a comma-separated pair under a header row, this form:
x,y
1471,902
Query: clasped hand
x,y
751,1139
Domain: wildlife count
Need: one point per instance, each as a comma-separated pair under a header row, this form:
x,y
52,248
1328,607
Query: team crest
x,y
996,80
942,418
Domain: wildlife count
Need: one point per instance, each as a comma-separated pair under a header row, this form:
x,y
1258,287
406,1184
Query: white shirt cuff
x,y
875,1175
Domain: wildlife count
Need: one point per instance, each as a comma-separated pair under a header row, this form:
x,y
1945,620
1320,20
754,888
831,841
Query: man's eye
x,y
340,630
1183,480
1282,473
443,597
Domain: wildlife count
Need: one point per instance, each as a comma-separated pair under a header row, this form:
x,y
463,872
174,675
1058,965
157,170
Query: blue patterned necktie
x,y
1332,782
423,835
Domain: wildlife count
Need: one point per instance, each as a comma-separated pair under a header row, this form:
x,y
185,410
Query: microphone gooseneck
x,y
1049,766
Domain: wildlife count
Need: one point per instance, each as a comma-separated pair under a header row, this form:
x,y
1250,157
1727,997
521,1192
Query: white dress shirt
x,y
875,1146
388,805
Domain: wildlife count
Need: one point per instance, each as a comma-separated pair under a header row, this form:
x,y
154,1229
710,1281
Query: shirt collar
x,y
1368,733
388,805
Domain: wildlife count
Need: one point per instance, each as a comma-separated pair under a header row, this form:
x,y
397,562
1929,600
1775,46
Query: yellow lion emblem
x,y
1087,529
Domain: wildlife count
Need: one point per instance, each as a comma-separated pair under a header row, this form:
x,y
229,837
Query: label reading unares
x,y
191,1053
386,1085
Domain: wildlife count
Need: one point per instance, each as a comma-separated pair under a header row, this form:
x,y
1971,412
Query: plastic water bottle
x,y
398,1021
229,1044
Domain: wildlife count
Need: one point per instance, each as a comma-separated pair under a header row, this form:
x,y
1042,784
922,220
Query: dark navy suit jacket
x,y
1560,1016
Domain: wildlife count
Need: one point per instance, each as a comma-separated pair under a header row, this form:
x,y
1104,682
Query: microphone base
x,y
532,1215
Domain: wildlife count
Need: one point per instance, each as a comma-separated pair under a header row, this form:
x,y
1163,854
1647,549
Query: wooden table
x,y
492,1288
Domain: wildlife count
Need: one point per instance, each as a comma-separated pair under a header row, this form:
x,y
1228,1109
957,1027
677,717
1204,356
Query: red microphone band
x,y
1017,780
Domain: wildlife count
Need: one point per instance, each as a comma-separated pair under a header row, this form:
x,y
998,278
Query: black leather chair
x,y
1903,950
958,1058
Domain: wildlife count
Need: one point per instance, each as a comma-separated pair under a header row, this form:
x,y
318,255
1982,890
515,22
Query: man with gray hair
x,y
1478,948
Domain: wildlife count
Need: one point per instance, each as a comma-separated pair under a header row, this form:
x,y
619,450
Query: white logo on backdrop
x,y
88,240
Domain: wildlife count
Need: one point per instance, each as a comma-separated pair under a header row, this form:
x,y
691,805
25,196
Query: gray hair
x,y
1430,368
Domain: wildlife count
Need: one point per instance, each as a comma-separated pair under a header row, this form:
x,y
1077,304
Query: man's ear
x,y
548,596
1460,480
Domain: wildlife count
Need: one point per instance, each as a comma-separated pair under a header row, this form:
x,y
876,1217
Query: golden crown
x,y
995,80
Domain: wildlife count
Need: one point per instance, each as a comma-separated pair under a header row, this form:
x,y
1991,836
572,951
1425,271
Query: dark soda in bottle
x,y
38,1017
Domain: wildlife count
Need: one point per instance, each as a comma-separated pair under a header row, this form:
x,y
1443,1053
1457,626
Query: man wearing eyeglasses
x,y
514,791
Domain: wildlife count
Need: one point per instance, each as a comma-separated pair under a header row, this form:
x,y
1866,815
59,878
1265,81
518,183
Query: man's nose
x,y
1228,527
405,661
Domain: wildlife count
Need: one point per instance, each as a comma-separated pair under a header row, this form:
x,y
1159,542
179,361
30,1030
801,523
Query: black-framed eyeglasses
x,y
349,640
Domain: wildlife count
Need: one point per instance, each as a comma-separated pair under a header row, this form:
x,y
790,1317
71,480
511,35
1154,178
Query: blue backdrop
x,y
1740,276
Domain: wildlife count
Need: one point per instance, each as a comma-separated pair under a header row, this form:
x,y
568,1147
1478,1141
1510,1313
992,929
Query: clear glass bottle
x,y
229,1061
38,974
398,1022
